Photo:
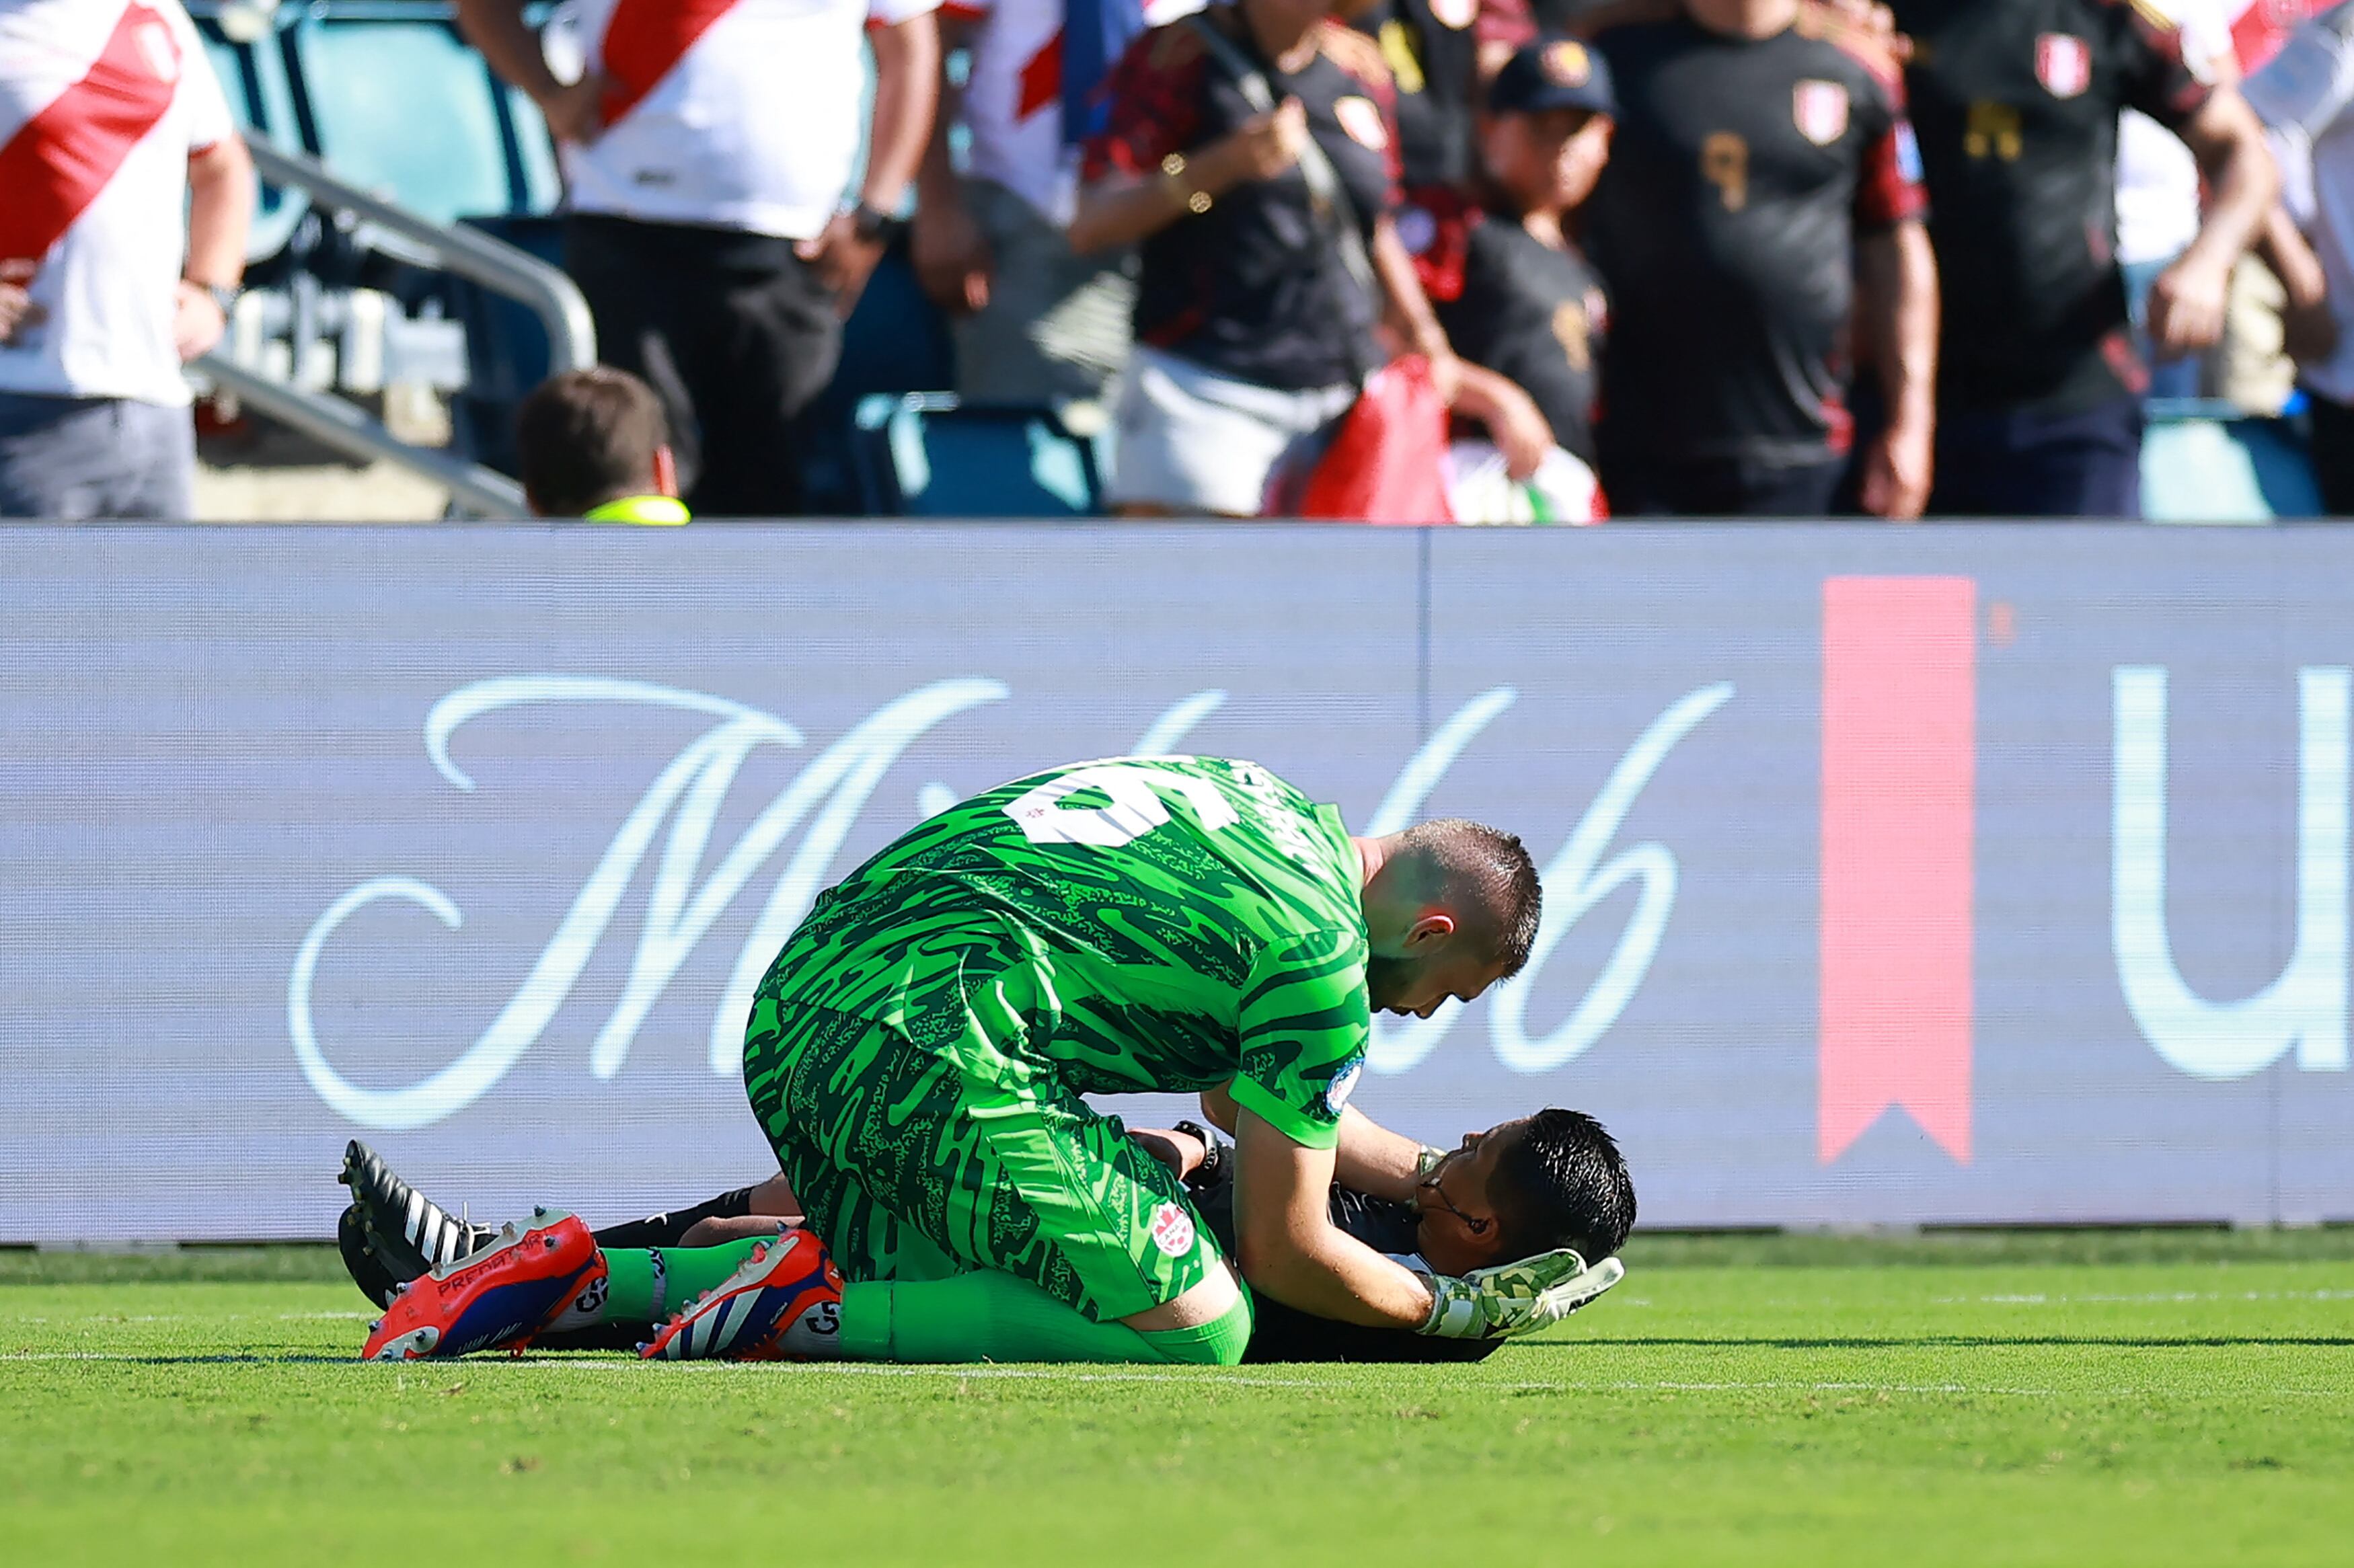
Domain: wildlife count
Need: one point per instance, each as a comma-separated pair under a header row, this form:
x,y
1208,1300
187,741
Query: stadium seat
x,y
507,345
401,105
261,98
926,456
2206,463
897,342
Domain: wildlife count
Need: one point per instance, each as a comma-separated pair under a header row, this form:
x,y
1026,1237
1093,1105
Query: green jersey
x,y
1143,923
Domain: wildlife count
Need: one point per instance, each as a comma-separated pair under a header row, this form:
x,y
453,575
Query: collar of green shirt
x,y
656,510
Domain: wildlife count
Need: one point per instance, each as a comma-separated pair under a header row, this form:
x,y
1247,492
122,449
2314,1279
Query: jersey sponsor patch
x,y
2064,64
1819,109
1173,1230
1343,1084
1362,121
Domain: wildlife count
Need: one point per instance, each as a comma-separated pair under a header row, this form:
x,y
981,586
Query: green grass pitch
x,y
2129,1398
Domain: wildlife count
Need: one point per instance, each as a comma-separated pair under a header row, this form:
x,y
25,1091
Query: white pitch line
x,y
2162,1297
1210,1379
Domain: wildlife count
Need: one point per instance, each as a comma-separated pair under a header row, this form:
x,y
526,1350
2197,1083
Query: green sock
x,y
649,1285
988,1316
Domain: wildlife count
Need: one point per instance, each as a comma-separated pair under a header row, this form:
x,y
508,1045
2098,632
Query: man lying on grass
x,y
1523,1187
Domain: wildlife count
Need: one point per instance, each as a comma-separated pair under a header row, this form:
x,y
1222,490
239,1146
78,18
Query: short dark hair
x,y
1563,1183
1490,871
587,437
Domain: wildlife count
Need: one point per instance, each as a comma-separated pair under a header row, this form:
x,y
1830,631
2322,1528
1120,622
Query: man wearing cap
x,y
1509,284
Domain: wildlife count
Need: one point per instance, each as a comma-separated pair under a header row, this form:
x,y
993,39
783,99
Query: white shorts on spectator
x,y
1195,441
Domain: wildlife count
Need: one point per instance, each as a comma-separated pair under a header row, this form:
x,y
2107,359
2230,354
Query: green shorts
x,y
916,1155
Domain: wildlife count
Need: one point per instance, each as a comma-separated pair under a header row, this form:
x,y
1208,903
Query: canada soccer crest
x,y
1819,108
2064,64
1173,1230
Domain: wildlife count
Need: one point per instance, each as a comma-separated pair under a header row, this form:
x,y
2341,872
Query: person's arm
x,y
1406,309
1372,1160
949,252
906,89
1287,1246
497,29
2308,331
1896,284
2187,301
220,214
1119,210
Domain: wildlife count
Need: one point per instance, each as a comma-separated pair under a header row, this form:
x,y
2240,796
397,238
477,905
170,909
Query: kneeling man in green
x,y
918,1052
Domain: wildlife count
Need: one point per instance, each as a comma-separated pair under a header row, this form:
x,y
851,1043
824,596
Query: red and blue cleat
x,y
496,1298
783,1304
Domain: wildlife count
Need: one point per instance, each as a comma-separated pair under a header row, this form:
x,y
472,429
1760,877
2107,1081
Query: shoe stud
x,y
375,1325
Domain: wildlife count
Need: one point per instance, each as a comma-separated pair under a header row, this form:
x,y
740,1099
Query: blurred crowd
x,y
1390,259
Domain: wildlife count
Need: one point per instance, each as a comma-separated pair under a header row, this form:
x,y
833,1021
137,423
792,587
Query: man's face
x,y
1419,981
1547,162
1458,1230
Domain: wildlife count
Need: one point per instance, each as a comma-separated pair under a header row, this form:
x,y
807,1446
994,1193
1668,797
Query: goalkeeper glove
x,y
1515,1298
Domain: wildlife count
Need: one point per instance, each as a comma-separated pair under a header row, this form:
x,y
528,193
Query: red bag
x,y
1385,462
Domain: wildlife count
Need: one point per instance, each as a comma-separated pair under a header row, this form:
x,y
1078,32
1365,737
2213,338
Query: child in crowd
x,y
1507,279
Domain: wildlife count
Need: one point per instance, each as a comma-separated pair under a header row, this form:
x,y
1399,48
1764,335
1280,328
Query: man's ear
x,y
665,472
1434,927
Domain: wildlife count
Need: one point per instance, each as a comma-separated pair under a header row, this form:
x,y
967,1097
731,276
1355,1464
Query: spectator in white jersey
x,y
707,156
111,123
1035,321
2159,186
2305,96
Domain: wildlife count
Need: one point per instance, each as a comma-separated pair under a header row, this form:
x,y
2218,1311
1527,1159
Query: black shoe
x,y
366,1267
405,1234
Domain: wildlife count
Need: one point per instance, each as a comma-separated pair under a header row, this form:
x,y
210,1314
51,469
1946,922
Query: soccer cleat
x,y
496,1300
408,1234
362,1261
751,1316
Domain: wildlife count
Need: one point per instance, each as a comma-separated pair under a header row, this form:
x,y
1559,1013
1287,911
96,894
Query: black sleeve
x,y
2158,80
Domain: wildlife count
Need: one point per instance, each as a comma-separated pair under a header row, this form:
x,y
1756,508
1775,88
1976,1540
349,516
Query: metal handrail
x,y
495,265
333,422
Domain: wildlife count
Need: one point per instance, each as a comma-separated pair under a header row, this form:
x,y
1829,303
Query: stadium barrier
x,y
1971,874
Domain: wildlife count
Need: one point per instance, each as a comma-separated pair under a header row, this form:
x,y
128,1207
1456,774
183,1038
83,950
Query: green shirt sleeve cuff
x,y
1287,1120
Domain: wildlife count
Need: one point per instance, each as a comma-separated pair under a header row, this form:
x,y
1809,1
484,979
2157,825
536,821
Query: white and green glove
x,y
1515,1298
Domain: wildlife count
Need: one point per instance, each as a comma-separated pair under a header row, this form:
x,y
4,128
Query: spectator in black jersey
x,y
1763,192
2017,105
1509,285
1440,53
1252,336
1523,1187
